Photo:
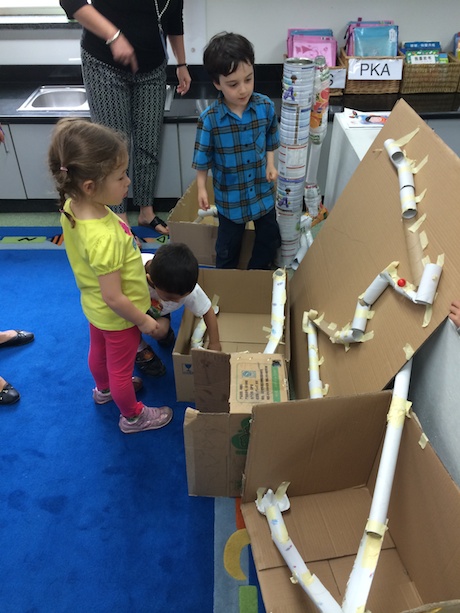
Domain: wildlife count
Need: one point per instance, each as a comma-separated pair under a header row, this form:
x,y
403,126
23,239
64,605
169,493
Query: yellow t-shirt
x,y
97,247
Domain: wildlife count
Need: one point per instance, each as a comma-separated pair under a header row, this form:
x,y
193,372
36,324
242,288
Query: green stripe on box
x,y
276,384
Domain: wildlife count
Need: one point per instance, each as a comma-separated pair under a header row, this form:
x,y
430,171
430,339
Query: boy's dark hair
x,y
174,269
224,52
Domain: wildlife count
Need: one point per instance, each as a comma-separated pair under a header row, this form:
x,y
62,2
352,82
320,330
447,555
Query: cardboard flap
x,y
205,437
317,445
212,380
361,237
424,512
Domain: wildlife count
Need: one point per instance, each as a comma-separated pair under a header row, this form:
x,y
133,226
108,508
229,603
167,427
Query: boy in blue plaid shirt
x,y
236,139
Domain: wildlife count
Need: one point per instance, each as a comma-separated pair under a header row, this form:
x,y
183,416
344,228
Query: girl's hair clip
x,y
64,169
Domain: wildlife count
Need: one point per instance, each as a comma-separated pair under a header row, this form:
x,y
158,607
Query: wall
x,y
264,22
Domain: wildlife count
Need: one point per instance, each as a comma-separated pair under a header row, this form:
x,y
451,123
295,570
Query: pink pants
x,y
112,354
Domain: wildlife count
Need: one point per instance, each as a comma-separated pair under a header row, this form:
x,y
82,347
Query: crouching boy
x,y
172,275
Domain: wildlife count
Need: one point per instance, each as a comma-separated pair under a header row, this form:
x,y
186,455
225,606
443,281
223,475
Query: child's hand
x,y
203,200
149,326
454,314
215,346
271,174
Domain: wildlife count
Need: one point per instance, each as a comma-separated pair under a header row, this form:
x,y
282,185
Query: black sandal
x,y
157,221
8,395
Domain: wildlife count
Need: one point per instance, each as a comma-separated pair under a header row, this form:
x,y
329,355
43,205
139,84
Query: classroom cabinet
x,y
11,184
31,143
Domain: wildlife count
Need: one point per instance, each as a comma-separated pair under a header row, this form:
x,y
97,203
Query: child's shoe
x,y
149,419
103,397
168,340
149,363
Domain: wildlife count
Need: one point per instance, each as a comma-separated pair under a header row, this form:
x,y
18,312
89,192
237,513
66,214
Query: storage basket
x,y
431,78
369,86
336,91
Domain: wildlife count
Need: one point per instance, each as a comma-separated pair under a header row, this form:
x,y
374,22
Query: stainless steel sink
x,y
57,98
69,98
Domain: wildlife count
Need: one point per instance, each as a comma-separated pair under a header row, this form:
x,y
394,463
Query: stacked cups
x,y
296,102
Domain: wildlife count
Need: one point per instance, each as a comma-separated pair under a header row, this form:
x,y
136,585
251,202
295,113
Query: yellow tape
x,y
428,315
372,547
282,489
325,389
316,391
440,260
361,313
423,239
407,138
426,260
397,412
421,165
281,530
319,319
423,440
307,578
332,326
376,528
321,360
408,198
278,319
415,226
408,351
421,196
367,337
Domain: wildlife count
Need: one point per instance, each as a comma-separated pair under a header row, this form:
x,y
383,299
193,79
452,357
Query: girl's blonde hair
x,y
82,151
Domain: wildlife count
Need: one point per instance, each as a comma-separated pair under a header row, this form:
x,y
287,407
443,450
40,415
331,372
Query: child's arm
x,y
115,299
271,173
201,180
454,314
210,320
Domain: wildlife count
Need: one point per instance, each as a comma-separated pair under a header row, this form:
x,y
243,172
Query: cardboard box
x,y
362,235
328,449
216,439
244,319
201,236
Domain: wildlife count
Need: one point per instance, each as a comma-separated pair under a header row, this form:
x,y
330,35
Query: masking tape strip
x,y
420,166
421,196
316,391
325,389
423,239
282,489
423,442
321,360
440,260
281,530
415,226
307,578
407,138
399,409
372,547
426,260
278,319
376,527
408,351
428,315
367,337
408,198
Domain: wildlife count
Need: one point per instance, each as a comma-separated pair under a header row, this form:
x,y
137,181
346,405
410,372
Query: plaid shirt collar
x,y
223,108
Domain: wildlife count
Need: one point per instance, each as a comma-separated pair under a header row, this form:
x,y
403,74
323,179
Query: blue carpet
x,y
91,519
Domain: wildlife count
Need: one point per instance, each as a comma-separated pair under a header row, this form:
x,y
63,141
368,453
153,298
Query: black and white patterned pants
x,y
133,104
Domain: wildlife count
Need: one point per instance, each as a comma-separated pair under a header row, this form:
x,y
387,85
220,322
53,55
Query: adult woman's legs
x,y
149,92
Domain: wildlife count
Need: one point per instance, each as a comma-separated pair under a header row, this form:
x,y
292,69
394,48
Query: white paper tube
x,y
309,237
312,199
406,179
375,289
362,575
212,211
305,222
311,585
408,203
344,337
359,323
301,252
404,291
197,337
428,284
278,302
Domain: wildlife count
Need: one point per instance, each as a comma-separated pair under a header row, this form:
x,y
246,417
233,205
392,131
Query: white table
x,y
347,149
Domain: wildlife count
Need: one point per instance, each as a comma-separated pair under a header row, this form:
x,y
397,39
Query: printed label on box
x,y
261,383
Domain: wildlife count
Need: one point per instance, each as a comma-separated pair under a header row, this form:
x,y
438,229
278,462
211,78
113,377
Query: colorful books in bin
x,y
371,38
309,44
423,52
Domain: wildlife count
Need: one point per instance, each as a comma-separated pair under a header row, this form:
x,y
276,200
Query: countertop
x,y
17,83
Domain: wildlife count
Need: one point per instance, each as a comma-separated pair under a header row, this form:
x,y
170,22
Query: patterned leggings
x,y
133,104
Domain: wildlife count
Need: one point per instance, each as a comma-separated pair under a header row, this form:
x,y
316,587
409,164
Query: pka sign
x,y
375,69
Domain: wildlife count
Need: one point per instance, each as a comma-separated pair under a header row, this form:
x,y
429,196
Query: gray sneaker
x,y
149,419
104,397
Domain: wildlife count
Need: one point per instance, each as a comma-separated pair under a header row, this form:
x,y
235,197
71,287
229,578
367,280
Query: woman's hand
x,y
123,52
184,79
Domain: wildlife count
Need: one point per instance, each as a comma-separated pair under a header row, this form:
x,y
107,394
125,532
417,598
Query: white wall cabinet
x,y
31,142
11,185
187,134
